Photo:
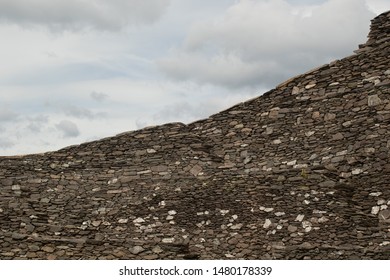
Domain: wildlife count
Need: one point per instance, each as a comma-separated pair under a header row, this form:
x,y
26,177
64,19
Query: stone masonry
x,y
301,172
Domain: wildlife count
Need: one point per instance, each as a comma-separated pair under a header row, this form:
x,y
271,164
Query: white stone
x,y
356,171
235,217
162,203
375,194
277,141
138,221
294,162
168,240
267,223
309,133
15,188
224,212
375,210
172,212
381,201
150,151
300,217
278,214
323,220
237,226
113,181
123,221
308,229
309,86
266,209
170,218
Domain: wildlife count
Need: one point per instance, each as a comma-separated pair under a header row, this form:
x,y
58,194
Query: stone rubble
x,y
301,172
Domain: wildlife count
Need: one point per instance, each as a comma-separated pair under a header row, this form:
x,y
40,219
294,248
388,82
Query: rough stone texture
x,y
300,172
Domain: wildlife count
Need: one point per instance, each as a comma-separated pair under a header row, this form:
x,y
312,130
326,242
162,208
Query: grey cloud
x,y
82,113
6,143
68,129
78,14
7,115
262,43
37,123
98,96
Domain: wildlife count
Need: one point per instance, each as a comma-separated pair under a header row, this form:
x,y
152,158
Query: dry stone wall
x,y
300,172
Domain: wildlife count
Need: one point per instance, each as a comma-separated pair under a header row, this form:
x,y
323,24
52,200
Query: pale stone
x,y
292,228
168,240
136,250
172,212
309,86
267,223
138,220
375,194
329,116
384,214
122,221
295,90
278,214
238,226
375,210
357,171
374,100
196,170
323,220
300,217
48,249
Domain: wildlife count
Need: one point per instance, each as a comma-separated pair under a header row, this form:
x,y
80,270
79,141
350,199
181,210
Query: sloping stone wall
x,y
300,172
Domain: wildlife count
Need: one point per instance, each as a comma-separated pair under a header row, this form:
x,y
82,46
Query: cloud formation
x,y
264,42
6,143
79,14
68,129
7,115
98,96
81,113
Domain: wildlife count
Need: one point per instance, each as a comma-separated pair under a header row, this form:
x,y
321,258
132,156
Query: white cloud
x,y
68,129
378,6
264,42
79,14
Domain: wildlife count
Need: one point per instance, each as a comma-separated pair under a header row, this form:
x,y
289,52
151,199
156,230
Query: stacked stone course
x,y
301,172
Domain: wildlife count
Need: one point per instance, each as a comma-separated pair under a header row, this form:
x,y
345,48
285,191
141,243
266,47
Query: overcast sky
x,y
78,70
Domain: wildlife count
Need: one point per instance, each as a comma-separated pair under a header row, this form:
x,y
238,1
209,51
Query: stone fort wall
x,y
301,172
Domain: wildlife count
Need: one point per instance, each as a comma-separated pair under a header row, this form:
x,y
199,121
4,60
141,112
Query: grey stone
x,y
374,100
136,250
